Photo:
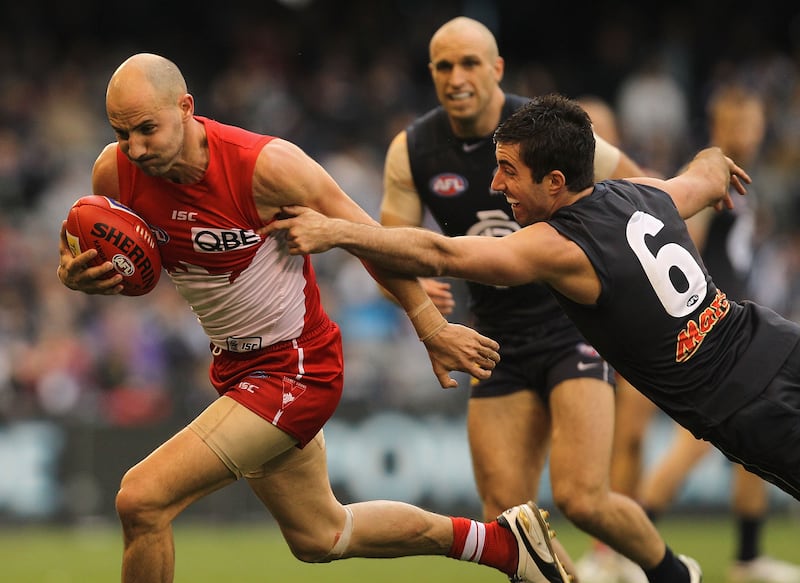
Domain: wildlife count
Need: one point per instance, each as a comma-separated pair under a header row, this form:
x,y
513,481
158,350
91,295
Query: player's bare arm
x,y
705,182
611,162
285,175
626,167
105,178
537,253
76,272
401,206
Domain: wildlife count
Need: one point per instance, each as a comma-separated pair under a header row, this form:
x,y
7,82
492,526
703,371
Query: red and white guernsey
x,y
246,291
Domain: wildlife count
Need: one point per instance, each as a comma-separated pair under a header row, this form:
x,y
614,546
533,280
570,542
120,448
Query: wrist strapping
x,y
427,320
433,332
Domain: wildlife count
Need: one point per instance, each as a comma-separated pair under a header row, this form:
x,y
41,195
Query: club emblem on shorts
x,y
292,390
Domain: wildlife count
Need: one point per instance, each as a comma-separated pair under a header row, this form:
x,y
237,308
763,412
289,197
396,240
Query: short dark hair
x,y
554,133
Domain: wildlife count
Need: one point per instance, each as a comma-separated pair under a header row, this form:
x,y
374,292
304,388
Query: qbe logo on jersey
x,y
207,240
448,184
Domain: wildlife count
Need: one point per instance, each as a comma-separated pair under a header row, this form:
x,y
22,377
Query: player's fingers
x,y
489,343
481,373
446,381
63,239
488,353
737,184
488,362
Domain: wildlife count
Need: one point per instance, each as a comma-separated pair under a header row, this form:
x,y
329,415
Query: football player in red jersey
x,y
277,358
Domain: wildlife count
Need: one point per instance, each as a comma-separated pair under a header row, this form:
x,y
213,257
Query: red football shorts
x,y
295,385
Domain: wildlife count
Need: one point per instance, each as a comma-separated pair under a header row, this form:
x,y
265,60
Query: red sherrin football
x,y
120,236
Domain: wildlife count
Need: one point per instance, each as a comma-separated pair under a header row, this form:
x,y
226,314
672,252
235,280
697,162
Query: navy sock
x,y
669,570
749,530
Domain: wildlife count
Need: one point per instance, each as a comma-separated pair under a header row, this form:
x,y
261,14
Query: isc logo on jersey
x,y
208,240
448,184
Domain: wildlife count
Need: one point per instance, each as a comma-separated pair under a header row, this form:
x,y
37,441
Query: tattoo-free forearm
x,y
410,250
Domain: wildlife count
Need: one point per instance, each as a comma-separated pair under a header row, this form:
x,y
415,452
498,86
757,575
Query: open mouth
x,y
464,95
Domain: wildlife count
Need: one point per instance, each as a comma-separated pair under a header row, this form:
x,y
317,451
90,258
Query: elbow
x,y
438,261
427,266
439,270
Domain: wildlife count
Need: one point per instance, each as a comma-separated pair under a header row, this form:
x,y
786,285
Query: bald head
x,y
152,116
466,69
146,72
465,30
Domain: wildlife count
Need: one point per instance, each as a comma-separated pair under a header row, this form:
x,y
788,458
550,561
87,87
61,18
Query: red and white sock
x,y
485,543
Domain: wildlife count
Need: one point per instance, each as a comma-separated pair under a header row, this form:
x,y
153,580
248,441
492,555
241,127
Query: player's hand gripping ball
x,y
120,236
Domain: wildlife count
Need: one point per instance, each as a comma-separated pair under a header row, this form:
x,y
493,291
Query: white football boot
x,y
538,562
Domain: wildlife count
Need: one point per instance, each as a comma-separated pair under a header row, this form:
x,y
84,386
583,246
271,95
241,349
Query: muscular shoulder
x,y
276,155
606,159
401,204
282,170
560,261
397,168
105,176
286,175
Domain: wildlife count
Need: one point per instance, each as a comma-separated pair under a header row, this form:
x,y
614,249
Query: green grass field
x,y
210,553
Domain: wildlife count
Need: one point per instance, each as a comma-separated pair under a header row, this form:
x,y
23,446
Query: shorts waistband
x,y
310,334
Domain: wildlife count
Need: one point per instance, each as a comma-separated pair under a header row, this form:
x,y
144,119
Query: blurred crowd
x,y
340,82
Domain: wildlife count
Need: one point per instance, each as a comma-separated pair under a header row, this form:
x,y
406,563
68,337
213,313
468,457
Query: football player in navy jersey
x,y
551,393
619,258
737,123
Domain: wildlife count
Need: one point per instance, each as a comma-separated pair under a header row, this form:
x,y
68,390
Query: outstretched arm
x,y
705,182
536,253
285,176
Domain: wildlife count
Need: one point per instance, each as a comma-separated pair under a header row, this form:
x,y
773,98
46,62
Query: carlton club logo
x,y
448,184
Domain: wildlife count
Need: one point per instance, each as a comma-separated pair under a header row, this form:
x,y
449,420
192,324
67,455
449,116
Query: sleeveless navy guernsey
x,y
452,178
684,355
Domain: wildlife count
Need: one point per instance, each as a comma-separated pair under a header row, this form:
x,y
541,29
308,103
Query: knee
x,y
581,506
308,549
322,545
137,503
313,546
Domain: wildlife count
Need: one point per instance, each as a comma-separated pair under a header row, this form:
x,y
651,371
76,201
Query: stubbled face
x,y
465,74
529,200
149,132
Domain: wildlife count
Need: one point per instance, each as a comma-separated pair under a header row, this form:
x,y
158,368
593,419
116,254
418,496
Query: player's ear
x,y
556,180
186,103
499,69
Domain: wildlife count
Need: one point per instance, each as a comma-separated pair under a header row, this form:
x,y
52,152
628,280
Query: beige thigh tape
x,y
244,441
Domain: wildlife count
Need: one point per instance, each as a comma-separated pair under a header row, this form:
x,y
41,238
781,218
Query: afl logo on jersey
x,y
448,184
